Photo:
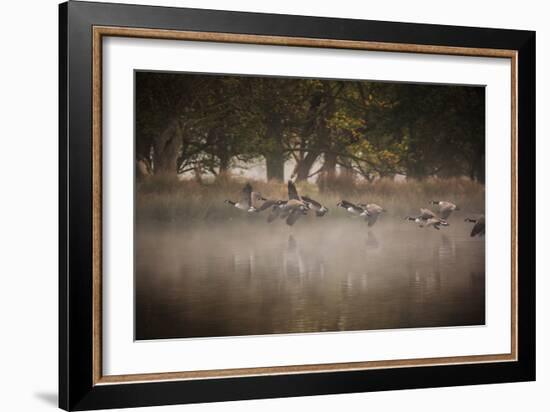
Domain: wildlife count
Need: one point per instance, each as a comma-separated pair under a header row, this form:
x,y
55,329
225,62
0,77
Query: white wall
x,y
28,204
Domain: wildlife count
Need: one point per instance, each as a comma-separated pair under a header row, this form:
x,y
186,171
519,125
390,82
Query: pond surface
x,y
321,275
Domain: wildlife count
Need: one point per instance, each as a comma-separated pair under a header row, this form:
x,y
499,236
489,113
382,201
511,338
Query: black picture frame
x,y
77,390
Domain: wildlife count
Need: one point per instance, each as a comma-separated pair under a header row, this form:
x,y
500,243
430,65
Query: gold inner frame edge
x,y
98,32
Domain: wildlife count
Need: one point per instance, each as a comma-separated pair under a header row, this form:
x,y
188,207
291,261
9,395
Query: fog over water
x,y
242,277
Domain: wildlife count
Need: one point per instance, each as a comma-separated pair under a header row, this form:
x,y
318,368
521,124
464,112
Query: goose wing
x,y
320,210
372,218
433,222
445,212
426,214
274,214
446,205
315,203
345,204
292,192
293,216
479,227
257,200
246,195
374,209
267,204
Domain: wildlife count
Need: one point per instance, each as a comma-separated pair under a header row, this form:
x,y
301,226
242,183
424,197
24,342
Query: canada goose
x,y
435,222
425,214
245,202
445,207
350,207
294,207
320,210
276,208
428,218
479,227
371,211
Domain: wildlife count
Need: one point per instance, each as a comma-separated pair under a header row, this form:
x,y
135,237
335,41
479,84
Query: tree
x,y
188,123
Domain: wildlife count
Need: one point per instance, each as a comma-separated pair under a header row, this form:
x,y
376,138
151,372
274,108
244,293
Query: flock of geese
x,y
296,206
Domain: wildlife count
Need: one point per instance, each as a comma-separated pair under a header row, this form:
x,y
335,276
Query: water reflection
x,y
371,241
235,280
293,263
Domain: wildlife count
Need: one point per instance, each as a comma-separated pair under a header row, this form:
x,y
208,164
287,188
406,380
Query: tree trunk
x,y
223,168
415,168
329,166
166,159
328,174
275,166
197,173
165,151
275,157
303,167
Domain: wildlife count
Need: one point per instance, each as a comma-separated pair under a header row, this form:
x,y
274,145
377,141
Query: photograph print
x,y
279,205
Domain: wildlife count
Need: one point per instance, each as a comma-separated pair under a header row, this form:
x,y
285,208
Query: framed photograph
x,y
257,205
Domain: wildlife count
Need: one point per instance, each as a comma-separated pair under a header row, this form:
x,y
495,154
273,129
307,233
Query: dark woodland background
x,y
203,125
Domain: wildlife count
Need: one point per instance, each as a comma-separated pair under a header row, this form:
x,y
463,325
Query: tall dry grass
x,y
163,198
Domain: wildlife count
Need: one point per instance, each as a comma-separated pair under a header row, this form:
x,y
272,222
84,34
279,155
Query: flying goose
x,y
245,201
276,208
294,207
371,212
424,215
320,210
427,218
435,222
350,207
479,227
445,207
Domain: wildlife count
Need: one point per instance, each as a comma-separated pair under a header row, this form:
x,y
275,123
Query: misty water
x,y
242,277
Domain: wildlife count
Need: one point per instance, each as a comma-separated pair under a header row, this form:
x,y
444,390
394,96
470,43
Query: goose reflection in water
x,y
444,251
244,263
293,262
306,263
425,284
371,242
317,278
